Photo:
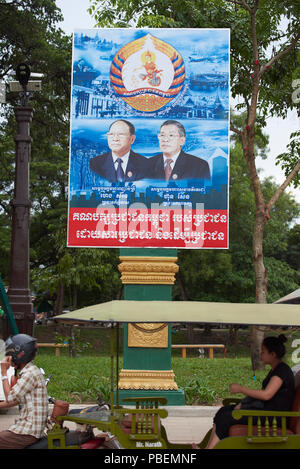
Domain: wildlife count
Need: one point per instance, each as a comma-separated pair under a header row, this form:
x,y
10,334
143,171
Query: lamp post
x,y
19,281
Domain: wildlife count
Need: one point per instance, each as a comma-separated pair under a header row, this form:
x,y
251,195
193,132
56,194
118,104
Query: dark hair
x,y
181,129
275,344
129,125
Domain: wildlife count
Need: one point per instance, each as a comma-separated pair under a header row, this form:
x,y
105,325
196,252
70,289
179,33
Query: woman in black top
x,y
277,391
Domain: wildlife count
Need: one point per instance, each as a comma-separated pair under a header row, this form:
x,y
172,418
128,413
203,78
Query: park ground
x,y
81,378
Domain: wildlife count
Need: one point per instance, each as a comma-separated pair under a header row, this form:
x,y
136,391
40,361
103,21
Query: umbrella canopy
x,y
292,298
126,311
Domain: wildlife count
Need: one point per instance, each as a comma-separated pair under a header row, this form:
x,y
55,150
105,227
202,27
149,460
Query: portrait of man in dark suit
x,y
173,163
120,164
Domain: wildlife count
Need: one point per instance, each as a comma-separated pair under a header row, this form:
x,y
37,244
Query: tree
x,y
262,67
292,255
262,86
29,32
228,276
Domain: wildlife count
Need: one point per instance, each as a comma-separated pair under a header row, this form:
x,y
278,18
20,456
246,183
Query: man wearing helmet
x,y
30,392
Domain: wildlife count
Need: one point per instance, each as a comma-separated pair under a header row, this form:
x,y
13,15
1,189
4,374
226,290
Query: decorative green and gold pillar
x,y
148,274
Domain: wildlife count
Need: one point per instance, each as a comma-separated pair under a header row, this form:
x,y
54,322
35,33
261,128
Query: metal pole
x,y
112,366
19,282
117,366
9,314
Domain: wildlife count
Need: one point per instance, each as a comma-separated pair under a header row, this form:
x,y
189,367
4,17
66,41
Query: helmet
x,y
21,347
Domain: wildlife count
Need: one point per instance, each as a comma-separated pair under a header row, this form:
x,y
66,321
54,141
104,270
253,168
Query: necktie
x,y
168,169
120,172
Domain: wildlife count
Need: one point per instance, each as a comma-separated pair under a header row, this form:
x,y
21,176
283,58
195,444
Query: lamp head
x,y
23,73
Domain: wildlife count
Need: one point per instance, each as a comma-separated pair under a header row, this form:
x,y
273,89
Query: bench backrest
x,y
295,421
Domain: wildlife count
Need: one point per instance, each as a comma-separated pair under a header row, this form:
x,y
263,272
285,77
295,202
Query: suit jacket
x,y
103,165
186,167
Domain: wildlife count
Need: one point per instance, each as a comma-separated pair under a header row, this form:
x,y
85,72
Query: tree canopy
x,y
29,33
77,277
265,38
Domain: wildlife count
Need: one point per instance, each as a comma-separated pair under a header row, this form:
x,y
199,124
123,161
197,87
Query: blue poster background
x,y
202,107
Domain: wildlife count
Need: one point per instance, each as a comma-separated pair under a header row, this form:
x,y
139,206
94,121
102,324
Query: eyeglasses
x,y
169,136
117,134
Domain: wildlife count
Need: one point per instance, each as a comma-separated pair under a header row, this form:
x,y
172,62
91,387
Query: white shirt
x,y
124,159
173,158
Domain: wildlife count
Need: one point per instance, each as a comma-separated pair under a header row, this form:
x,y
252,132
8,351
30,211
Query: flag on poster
x,y
149,147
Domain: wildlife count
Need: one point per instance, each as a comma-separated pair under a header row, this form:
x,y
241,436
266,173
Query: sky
x,y
76,17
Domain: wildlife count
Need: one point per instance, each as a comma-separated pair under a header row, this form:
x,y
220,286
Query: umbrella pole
x,y
117,367
112,366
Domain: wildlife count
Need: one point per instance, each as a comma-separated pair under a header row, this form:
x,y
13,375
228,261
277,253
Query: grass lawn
x,y
204,381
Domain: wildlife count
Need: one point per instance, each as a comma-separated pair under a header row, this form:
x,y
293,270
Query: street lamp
x,y
19,281
24,86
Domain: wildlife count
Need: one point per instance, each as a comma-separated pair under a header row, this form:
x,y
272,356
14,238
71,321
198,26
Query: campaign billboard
x,y
149,138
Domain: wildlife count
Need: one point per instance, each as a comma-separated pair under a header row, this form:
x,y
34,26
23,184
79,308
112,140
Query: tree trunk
x,y
120,293
190,327
190,333
59,302
261,277
74,297
257,337
72,348
261,280
247,137
232,338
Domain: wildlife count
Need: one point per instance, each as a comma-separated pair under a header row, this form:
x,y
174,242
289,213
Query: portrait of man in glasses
x,y
173,163
120,164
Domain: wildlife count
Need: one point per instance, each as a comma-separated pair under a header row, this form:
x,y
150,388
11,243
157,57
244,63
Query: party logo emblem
x,y
147,73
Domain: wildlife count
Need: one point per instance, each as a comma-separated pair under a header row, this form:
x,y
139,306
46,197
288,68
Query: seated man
x,y
30,391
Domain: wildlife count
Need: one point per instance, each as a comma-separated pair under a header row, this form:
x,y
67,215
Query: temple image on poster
x,y
143,100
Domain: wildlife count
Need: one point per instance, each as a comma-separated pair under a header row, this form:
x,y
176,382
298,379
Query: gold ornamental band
x,y
148,270
148,335
147,379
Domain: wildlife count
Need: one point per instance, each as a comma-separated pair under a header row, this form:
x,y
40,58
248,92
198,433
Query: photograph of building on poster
x,y
149,148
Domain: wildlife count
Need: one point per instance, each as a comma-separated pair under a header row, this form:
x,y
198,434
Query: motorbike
x,y
83,436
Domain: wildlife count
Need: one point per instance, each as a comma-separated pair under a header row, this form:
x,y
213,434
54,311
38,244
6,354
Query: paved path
x,y
184,424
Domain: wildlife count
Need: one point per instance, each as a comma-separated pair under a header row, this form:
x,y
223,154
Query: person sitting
x,y
277,391
30,391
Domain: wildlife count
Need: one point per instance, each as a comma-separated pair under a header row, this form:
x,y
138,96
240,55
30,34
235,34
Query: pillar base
x,y
175,398
159,380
